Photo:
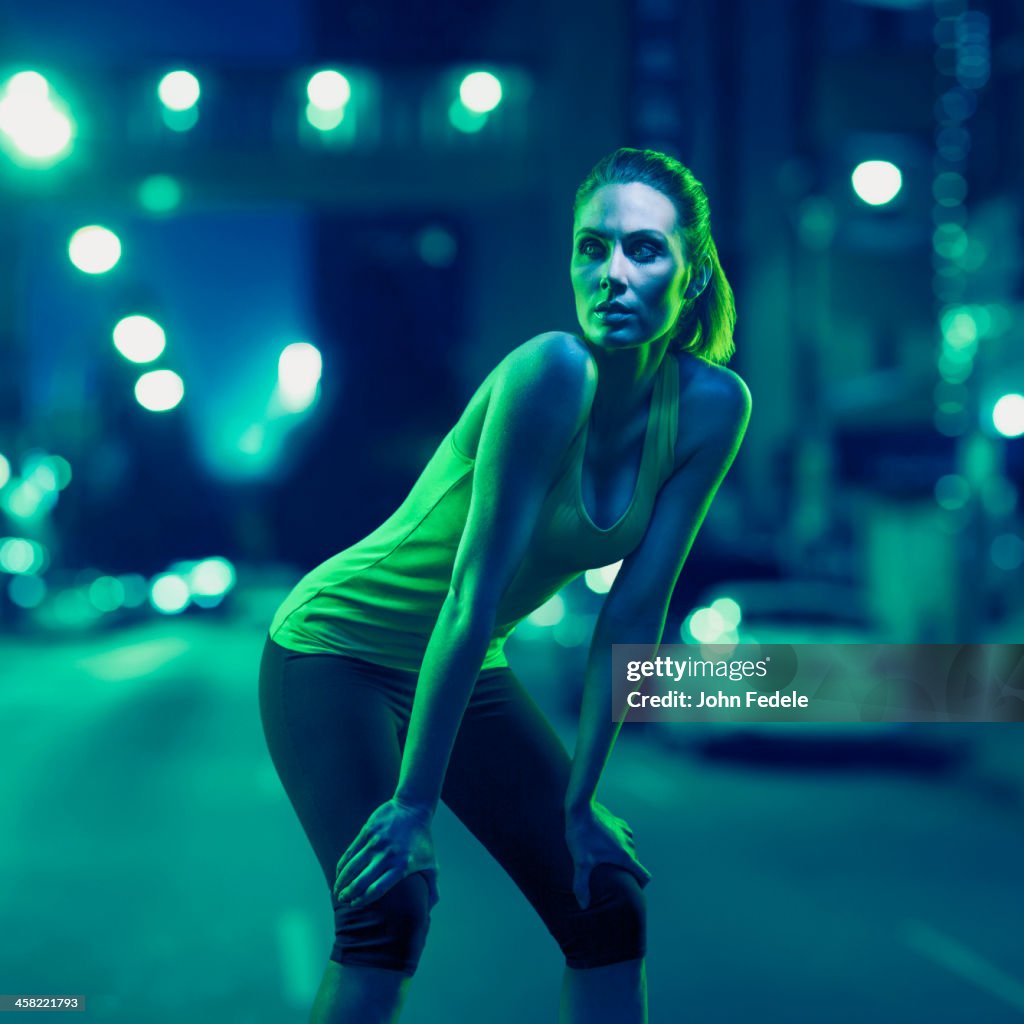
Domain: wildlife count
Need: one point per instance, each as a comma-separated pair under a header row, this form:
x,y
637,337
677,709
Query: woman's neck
x,y
625,381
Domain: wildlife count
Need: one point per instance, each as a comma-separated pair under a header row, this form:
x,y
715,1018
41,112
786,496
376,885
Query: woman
x,y
383,685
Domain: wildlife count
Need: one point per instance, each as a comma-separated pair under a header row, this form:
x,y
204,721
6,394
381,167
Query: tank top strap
x,y
668,421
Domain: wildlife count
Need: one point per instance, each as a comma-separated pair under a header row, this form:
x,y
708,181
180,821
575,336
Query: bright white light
x,y
329,90
28,85
169,593
94,249
706,625
36,122
211,577
36,127
178,90
5,470
600,580
159,390
876,181
550,613
480,92
728,610
1008,415
139,339
298,374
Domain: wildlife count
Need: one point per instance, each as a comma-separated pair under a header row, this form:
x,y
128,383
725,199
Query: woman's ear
x,y
699,281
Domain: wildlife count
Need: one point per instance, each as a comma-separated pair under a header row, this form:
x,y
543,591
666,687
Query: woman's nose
x,y
613,270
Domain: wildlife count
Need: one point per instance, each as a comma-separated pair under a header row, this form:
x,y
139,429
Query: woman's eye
x,y
642,253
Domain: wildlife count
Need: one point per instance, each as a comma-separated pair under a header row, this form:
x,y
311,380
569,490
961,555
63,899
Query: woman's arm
x,y
541,397
635,609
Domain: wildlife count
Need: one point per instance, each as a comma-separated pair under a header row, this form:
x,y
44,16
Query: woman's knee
x,y
388,933
613,928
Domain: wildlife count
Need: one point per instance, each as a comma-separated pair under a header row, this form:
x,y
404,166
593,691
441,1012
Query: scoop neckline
x,y
652,414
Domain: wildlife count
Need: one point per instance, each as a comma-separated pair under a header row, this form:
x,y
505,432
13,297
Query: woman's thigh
x,y
333,734
506,782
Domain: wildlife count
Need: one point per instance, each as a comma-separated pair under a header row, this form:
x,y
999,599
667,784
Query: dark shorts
x,y
335,727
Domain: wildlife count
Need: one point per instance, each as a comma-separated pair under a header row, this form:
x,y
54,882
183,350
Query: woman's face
x,y
628,249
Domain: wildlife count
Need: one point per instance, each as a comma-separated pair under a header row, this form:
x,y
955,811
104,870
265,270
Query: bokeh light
x,y
26,592
212,577
35,124
1008,415
160,193
324,120
139,339
600,580
106,593
480,92
1007,552
179,90
328,90
169,593
952,491
94,249
159,390
298,375
876,182
464,119
550,613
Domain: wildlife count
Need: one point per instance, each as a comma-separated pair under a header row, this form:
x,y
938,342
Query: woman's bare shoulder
x,y
546,362
714,402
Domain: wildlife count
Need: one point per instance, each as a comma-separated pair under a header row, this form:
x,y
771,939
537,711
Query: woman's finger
x,y
358,886
388,880
353,867
353,847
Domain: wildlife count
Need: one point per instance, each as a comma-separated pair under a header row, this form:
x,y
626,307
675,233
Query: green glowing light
x,y
324,120
19,555
550,613
27,591
180,120
107,593
160,193
464,119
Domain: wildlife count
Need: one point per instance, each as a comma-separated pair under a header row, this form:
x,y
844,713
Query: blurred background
x,y
254,259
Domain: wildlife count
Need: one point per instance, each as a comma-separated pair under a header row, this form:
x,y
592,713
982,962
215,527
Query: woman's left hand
x,y
596,836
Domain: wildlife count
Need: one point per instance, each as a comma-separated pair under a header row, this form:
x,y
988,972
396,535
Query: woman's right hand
x,y
394,843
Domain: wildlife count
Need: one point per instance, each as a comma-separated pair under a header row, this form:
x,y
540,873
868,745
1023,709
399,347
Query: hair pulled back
x,y
705,324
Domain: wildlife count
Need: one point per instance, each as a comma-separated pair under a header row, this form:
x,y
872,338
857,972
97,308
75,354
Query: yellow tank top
x,y
379,599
